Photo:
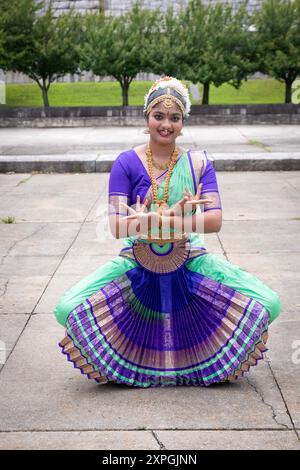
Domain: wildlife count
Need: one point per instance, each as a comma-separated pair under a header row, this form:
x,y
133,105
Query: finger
x,y
188,191
196,201
199,190
193,201
199,201
183,200
133,216
138,202
145,205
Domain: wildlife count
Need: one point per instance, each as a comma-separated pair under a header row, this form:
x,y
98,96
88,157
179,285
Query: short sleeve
x,y
119,188
210,188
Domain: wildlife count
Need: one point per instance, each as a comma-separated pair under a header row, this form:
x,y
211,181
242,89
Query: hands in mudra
x,y
152,218
189,201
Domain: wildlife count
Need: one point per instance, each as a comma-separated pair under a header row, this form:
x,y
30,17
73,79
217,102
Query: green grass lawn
x,y
109,94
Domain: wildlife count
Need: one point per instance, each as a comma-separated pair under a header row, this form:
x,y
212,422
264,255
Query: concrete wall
x,y
133,115
117,7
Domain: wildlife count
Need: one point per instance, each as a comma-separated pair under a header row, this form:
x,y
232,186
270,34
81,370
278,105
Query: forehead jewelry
x,y
169,83
168,102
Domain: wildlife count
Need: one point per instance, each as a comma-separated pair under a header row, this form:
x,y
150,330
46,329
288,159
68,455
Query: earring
x,y
146,131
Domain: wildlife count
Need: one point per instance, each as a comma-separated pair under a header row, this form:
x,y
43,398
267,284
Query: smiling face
x,y
165,124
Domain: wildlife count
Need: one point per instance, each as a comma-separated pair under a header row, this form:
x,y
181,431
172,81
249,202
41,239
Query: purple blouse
x,y
129,177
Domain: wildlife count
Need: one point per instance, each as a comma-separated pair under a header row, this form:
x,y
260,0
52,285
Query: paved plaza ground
x,y
46,403
61,235
92,140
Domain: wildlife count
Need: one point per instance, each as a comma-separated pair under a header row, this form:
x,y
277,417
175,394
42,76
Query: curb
x,y
95,163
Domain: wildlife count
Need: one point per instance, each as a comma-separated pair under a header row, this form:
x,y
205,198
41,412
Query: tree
x,y
119,46
278,38
167,57
217,45
40,46
16,20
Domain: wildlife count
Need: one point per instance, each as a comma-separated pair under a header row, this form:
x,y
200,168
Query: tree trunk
x,y
288,91
125,89
205,98
45,95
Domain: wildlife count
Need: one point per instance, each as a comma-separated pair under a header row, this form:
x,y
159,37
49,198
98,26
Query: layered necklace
x,y
161,203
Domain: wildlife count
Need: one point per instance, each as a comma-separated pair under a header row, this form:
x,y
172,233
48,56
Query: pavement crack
x,y
4,289
161,445
24,180
222,246
19,241
291,184
283,399
260,394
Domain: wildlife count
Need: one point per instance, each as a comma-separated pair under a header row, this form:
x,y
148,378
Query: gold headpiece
x,y
168,83
168,101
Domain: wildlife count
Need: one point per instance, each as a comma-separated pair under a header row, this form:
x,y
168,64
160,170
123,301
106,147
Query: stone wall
x,y
101,116
117,7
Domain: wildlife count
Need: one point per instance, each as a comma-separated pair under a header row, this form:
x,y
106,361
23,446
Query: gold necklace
x,y
161,202
160,166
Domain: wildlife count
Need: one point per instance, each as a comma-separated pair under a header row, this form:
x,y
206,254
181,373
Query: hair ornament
x,y
173,83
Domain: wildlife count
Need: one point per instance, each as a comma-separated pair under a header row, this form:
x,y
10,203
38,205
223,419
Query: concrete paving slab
x,y
283,137
54,208
36,239
271,136
20,294
99,212
41,199
95,238
71,183
271,265
257,236
71,402
284,354
280,271
23,266
78,440
212,243
11,327
240,179
293,179
253,197
5,245
57,286
229,440
289,294
9,182
81,265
